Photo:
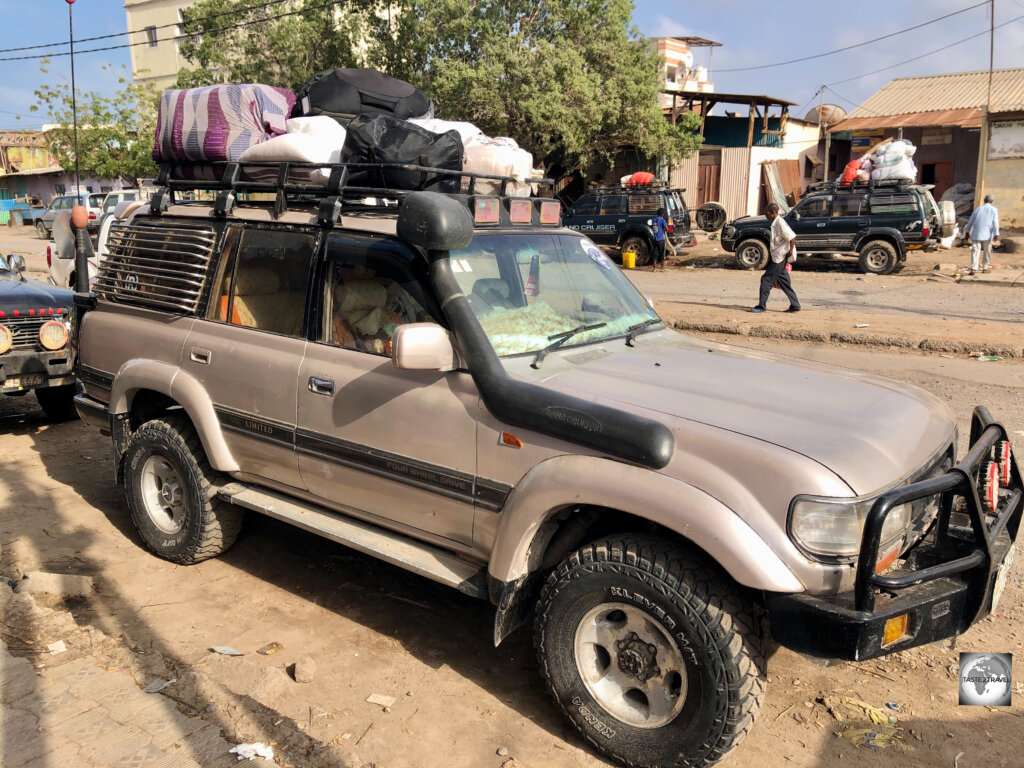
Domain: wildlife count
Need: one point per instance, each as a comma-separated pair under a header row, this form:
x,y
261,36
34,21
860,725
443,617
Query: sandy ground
x,y
372,628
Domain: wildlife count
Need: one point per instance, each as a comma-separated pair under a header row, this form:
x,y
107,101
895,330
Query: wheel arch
x,y
569,500
892,236
644,234
143,389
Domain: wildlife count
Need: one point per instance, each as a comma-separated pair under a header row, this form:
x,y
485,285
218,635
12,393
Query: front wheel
x,y
171,493
640,247
878,257
752,254
651,651
41,231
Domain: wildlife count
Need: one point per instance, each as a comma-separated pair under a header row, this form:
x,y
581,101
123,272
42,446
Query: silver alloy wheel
x,y
630,665
877,259
163,494
750,255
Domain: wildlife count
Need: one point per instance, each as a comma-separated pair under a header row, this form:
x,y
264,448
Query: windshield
x,y
526,288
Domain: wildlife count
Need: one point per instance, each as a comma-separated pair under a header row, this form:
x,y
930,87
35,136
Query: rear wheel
x,y
41,231
751,254
172,496
878,257
651,651
57,402
640,247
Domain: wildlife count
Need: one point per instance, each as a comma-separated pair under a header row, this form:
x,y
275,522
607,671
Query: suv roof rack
x,y
859,186
657,186
293,181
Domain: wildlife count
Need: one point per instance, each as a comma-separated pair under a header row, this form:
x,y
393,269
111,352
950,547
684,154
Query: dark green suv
x,y
878,222
620,216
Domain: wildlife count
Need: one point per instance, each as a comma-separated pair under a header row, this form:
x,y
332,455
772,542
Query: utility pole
x,y
986,122
74,105
821,103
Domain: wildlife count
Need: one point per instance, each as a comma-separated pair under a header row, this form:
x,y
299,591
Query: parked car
x,y
92,202
34,352
879,222
620,216
465,388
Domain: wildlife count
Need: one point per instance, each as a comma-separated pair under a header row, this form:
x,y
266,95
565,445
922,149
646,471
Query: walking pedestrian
x,y
783,252
660,227
981,228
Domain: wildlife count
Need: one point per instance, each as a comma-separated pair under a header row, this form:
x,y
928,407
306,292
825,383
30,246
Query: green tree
x,y
569,78
115,133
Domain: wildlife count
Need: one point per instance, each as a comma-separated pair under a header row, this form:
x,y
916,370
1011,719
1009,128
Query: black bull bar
x,y
946,581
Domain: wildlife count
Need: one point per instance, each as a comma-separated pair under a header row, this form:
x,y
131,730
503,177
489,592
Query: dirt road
x,y
371,628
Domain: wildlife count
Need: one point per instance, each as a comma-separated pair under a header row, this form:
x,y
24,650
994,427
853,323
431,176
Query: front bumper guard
x,y
945,583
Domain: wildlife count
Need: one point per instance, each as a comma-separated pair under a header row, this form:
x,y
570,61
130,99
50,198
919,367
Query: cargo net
x,y
160,267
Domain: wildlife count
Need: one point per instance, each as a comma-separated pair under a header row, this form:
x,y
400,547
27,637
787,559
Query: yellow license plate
x,y
28,380
1001,572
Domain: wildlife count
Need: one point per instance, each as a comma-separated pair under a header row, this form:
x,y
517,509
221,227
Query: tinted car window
x,y
815,206
585,206
96,201
847,206
894,204
645,203
613,204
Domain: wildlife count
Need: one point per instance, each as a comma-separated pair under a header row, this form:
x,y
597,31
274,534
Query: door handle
x,y
320,386
822,224
200,355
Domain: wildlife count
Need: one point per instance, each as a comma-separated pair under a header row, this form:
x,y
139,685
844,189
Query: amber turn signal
x,y
895,628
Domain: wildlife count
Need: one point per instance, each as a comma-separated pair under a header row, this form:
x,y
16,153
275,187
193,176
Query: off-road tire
x,y
640,247
878,257
685,594
210,525
751,254
58,403
41,231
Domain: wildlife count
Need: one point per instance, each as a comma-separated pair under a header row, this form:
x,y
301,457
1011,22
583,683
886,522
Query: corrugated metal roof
x,y
963,118
937,93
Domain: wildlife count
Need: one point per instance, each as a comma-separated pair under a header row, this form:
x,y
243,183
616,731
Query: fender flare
x,y
572,480
644,233
884,233
135,375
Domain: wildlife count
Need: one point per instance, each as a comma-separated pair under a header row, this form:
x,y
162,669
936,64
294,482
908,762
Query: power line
x,y
856,45
923,55
260,6
176,38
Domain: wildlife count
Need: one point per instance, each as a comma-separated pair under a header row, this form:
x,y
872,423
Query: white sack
x,y
315,139
466,131
499,156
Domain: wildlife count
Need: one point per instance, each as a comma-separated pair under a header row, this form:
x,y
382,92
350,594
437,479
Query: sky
x,y
753,35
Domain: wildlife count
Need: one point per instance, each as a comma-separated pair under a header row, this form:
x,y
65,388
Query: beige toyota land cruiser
x,y
457,384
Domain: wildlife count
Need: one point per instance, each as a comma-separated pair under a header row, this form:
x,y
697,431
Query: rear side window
x,y
265,281
848,206
645,203
586,206
613,204
156,265
894,204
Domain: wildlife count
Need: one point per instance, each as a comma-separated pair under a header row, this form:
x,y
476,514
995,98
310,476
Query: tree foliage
x,y
572,78
115,133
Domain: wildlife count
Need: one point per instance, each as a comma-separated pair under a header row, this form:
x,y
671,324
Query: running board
x,y
412,555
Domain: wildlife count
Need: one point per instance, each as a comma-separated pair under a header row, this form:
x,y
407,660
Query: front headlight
x,y
833,527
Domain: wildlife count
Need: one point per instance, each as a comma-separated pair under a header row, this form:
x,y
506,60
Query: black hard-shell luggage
x,y
383,139
345,93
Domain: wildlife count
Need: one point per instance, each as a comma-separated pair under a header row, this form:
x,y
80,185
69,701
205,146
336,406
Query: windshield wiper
x,y
634,330
559,339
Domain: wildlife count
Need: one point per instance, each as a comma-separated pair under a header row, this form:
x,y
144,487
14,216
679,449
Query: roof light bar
x,y
550,212
485,210
520,211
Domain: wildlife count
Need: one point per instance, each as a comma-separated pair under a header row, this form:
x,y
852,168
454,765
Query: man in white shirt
x,y
981,228
783,250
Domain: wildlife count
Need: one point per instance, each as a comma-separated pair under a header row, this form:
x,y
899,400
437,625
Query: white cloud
x,y
666,27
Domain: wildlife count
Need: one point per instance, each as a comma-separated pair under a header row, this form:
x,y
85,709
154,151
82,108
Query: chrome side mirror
x,y
16,262
423,347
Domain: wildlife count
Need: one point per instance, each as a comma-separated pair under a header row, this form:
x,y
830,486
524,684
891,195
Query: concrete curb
x,y
891,341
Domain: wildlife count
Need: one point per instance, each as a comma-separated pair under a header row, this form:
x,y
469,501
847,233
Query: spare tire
x,y
711,217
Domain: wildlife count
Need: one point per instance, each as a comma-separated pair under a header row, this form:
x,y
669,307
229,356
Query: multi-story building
x,y
682,72
155,25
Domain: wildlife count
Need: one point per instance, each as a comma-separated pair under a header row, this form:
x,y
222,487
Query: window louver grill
x,y
160,267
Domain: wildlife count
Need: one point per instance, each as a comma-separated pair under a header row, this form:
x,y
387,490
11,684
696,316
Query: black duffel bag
x,y
383,139
345,93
